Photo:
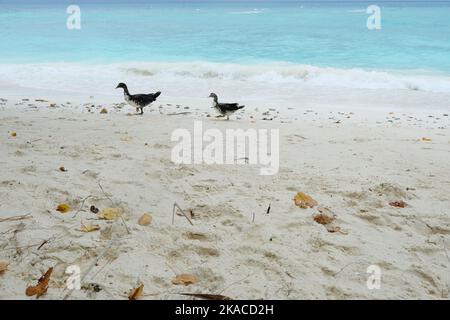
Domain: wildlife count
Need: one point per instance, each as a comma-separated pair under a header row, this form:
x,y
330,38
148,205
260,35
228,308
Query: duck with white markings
x,y
225,109
139,101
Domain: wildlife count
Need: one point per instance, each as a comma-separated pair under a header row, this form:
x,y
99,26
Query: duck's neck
x,y
125,91
215,101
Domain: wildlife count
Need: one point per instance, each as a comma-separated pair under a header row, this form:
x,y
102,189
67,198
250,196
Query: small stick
x,y
16,218
268,209
101,188
82,205
253,219
175,206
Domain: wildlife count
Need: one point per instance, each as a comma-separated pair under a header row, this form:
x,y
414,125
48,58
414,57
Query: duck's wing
x,y
230,106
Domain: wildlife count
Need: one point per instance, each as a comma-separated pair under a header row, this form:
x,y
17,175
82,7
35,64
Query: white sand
x,y
354,167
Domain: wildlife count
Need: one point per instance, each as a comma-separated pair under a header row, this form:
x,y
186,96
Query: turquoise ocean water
x,y
413,35
246,40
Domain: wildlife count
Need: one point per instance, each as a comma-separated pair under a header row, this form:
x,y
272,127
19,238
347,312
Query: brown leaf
x,y
136,293
145,219
3,266
323,218
104,110
424,139
185,279
398,204
13,134
63,208
304,201
207,296
41,287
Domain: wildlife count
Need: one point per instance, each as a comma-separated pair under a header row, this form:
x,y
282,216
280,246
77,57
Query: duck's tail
x,y
157,94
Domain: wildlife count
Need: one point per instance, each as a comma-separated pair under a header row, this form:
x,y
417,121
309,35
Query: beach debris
x,y
268,209
13,134
110,213
94,209
323,219
184,279
136,293
3,266
63,208
103,111
89,227
62,169
41,287
16,218
304,201
145,219
176,207
424,139
207,296
398,204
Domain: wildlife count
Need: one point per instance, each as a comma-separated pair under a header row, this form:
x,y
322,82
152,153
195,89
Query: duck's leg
x,y
228,117
142,111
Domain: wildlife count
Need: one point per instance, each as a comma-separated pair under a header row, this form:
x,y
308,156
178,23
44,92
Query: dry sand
x,y
352,163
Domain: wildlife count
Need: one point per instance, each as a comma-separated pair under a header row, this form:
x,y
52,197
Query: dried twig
x,y
176,206
17,218
82,205
207,296
103,191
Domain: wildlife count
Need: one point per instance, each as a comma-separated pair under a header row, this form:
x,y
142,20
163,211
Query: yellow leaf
x,y
145,219
185,279
424,139
110,213
104,110
13,134
3,266
63,208
136,293
304,201
89,227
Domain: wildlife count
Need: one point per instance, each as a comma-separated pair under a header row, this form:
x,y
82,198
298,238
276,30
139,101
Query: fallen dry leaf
x,y
145,219
424,139
185,279
62,169
323,218
63,208
136,293
3,266
304,201
103,111
42,286
89,227
110,213
13,134
398,204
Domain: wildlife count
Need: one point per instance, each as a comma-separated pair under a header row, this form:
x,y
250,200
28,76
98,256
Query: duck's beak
x,y
117,87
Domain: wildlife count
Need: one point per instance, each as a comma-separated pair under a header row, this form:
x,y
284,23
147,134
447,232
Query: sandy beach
x,y
356,164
